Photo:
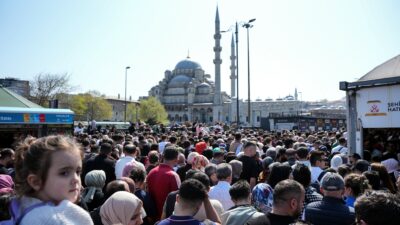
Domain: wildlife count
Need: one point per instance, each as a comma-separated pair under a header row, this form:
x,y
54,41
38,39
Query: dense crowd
x,y
196,174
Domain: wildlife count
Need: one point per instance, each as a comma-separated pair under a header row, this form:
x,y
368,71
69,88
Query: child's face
x,y
63,177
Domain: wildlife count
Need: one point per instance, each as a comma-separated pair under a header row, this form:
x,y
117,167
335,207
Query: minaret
x,y
295,94
233,69
217,61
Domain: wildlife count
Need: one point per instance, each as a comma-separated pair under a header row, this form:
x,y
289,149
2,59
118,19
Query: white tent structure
x,y
373,102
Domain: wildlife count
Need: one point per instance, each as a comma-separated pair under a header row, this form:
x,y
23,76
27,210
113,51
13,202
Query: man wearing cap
x,y
218,156
332,209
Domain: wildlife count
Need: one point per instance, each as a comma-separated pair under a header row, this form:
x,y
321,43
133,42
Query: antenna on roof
x,y
188,56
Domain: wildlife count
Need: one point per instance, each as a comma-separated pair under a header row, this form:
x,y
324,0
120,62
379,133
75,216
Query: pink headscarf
x,y
6,184
128,168
199,162
120,207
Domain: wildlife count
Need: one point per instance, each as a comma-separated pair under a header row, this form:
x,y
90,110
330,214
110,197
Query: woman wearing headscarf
x,y
6,184
122,208
93,195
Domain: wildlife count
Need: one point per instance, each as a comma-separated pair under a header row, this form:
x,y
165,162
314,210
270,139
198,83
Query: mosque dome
x,y
179,81
187,64
203,88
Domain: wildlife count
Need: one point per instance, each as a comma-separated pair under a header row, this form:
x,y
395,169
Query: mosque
x,y
188,93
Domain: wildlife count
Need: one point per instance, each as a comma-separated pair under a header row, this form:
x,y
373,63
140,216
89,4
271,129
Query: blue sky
x,y
308,44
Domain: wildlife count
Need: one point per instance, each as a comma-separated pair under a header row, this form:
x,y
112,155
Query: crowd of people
x,y
197,175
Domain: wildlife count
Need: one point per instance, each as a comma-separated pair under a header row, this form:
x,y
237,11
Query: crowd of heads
x,y
285,167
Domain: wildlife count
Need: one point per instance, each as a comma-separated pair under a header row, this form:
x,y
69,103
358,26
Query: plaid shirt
x,y
311,196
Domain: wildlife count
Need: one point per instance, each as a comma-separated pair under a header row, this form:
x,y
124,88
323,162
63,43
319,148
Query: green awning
x,y
9,98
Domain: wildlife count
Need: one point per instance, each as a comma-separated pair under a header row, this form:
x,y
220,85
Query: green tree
x,y
132,112
152,111
91,105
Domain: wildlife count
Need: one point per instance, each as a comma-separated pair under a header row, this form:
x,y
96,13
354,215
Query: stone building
x,y
118,108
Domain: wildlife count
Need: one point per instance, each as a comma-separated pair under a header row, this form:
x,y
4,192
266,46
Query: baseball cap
x,y
332,182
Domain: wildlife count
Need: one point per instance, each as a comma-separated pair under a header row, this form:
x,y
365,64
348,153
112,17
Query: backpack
x,y
15,212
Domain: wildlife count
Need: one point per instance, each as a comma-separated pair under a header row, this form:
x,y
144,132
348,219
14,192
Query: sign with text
x,y
379,107
36,118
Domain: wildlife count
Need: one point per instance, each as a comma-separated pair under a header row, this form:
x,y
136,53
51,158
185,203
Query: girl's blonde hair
x,y
33,156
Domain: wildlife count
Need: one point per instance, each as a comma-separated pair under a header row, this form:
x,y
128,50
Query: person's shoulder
x,y
164,222
259,220
65,212
313,205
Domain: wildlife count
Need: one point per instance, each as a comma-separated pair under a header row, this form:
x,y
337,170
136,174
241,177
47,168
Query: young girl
x,y
47,172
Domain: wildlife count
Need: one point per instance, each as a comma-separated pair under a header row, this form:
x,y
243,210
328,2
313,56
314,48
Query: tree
x,y
132,112
45,86
91,105
152,111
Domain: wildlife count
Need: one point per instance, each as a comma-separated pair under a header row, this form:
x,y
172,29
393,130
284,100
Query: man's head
x,y
173,140
130,150
7,157
191,195
211,171
250,148
224,172
237,167
240,192
342,141
353,158
288,198
332,185
377,207
302,174
361,166
317,159
170,155
105,148
302,153
114,186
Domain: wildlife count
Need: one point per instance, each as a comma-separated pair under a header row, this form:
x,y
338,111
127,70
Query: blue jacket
x,y
329,211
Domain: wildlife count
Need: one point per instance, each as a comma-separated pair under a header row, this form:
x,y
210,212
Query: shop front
x,y
17,123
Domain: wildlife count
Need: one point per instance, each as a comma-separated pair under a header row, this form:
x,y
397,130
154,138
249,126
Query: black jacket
x,y
329,211
100,162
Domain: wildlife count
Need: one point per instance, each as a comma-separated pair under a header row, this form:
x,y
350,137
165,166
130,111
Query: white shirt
x,y
78,130
341,149
161,146
121,163
315,172
220,192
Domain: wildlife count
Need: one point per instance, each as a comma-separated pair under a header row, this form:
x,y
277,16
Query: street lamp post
x,y
247,26
126,78
237,75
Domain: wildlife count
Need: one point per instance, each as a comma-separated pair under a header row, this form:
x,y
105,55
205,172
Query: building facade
x,y
118,109
20,87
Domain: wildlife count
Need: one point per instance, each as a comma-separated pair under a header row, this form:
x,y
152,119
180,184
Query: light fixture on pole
x,y
247,26
126,78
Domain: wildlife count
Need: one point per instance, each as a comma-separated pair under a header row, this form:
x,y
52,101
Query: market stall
x,y
373,106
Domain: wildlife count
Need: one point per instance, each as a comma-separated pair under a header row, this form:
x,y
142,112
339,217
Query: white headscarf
x,y
336,161
120,207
